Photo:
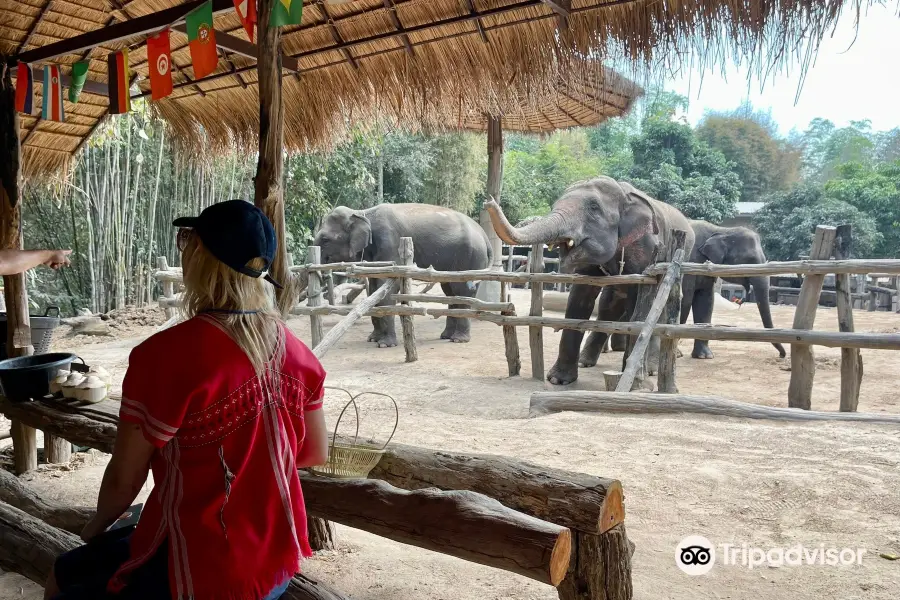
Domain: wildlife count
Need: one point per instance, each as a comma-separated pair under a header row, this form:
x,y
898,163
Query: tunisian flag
x,y
159,58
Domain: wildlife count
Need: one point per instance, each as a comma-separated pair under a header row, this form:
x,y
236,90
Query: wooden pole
x,y
536,334
851,359
407,255
884,267
543,403
18,323
668,348
489,290
635,361
358,311
268,182
399,271
314,294
873,298
511,345
464,524
803,365
168,287
329,282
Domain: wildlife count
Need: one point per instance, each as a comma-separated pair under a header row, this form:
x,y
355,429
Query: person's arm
x,y
19,261
314,450
125,474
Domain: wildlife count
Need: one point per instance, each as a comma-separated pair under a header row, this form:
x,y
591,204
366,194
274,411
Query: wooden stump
x,y
57,451
407,255
536,334
321,534
511,343
314,294
803,365
611,379
601,568
851,359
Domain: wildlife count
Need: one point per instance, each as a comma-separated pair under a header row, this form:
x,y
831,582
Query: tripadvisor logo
x,y
696,555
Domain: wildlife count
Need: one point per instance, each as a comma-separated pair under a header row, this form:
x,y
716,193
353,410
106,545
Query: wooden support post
x,y
489,290
407,255
269,179
803,365
329,283
57,451
511,343
668,347
18,340
536,334
897,293
611,378
358,311
168,288
636,359
851,359
873,299
314,294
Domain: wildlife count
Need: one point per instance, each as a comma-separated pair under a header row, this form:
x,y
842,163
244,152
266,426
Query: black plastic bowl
x,y
29,376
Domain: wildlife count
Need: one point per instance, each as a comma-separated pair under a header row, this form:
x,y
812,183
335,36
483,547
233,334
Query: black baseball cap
x,y
236,232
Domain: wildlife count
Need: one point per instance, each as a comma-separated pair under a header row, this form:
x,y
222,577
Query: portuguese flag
x,y
202,40
286,12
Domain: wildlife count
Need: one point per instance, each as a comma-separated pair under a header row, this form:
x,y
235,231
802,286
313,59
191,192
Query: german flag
x,y
119,75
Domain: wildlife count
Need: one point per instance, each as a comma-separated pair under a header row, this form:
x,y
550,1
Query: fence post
x,y
851,359
168,288
536,334
329,282
668,347
803,365
314,294
407,254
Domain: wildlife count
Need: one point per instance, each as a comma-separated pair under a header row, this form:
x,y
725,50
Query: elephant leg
x,y
384,333
610,308
619,340
703,310
457,330
580,306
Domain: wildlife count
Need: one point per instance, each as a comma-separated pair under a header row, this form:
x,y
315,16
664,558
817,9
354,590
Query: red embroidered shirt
x,y
227,497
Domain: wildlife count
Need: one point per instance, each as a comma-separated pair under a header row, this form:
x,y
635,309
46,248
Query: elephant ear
x,y
360,231
637,218
715,249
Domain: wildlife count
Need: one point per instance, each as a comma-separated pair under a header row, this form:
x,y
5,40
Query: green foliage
x,y
876,191
788,221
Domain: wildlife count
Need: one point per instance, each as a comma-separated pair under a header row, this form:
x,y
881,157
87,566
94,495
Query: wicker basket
x,y
355,460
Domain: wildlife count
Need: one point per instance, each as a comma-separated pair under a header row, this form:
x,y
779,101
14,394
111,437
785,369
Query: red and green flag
x,y
119,82
202,39
246,10
286,12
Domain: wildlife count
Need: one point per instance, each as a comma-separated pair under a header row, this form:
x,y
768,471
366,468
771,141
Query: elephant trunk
x,y
761,290
545,230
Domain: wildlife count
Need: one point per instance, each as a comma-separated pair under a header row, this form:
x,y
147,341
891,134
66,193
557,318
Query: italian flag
x,y
286,12
202,40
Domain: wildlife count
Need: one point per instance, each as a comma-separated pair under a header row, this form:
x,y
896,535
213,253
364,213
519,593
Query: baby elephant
x,y
442,238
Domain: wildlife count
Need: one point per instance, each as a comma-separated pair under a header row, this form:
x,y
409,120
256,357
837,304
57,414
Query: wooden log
x,y
543,403
830,339
83,430
793,290
340,266
474,303
511,345
636,358
57,451
851,359
420,274
18,322
168,286
574,500
803,365
69,518
889,266
314,296
464,524
29,546
601,568
354,315
406,321
611,379
329,289
668,347
536,334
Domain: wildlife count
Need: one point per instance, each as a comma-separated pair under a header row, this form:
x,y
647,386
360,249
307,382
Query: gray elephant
x,y
442,238
723,246
596,224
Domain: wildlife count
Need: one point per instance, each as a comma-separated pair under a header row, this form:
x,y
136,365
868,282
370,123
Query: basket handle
x,y
396,415
338,422
49,308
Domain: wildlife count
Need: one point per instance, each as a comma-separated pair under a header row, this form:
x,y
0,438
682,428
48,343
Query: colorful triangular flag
x,y
159,58
286,12
246,11
79,77
53,98
24,89
202,39
119,83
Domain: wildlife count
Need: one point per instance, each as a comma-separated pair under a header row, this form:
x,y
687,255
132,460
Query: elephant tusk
x,y
571,243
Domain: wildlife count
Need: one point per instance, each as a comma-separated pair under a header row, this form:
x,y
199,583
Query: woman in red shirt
x,y
223,408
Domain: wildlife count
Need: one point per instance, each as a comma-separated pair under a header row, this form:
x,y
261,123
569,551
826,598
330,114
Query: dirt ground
x,y
733,481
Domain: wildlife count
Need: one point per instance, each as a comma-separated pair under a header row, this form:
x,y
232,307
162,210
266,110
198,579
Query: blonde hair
x,y
211,286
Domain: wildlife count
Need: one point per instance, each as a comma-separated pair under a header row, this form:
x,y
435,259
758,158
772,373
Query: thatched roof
x,y
452,57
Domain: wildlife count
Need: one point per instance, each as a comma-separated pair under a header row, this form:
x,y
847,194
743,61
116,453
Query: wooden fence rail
x,y
805,267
